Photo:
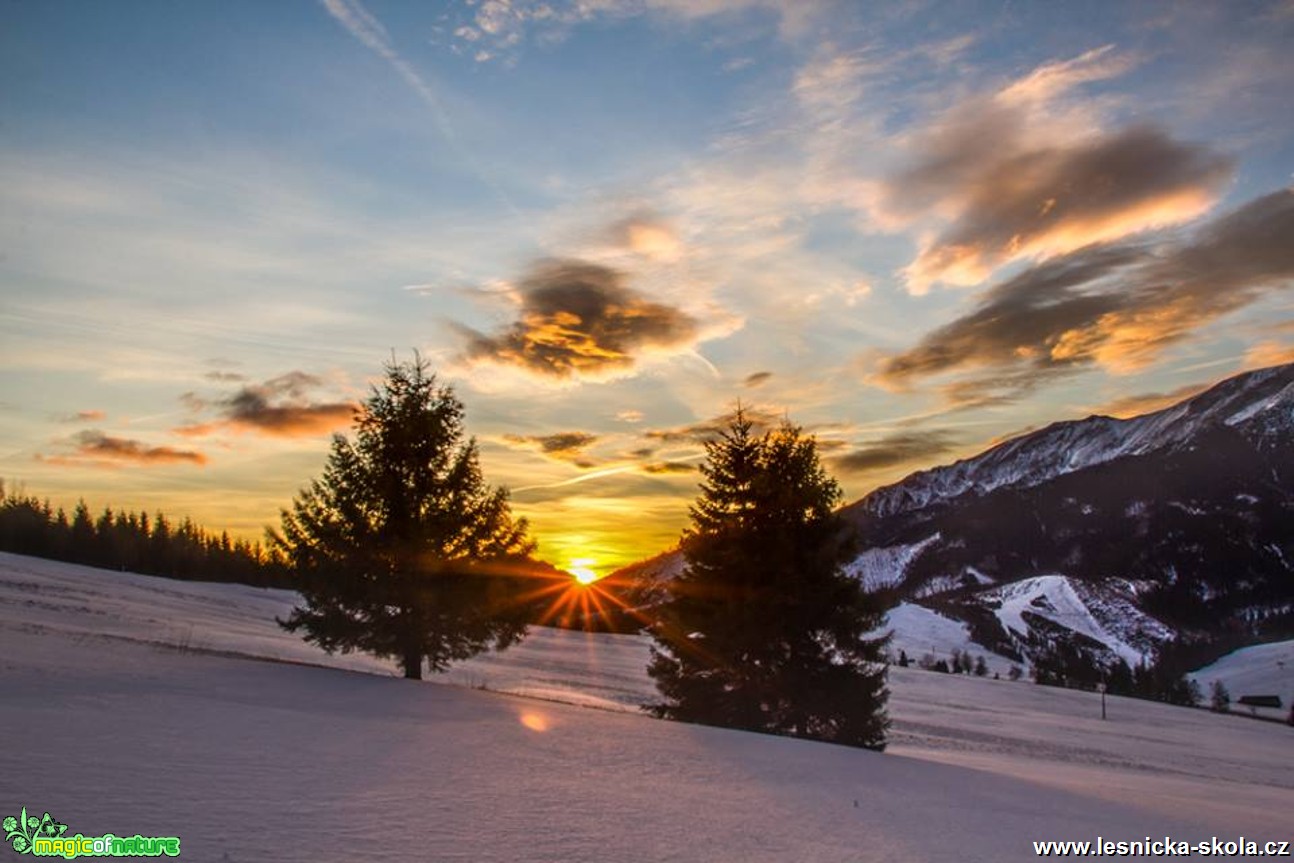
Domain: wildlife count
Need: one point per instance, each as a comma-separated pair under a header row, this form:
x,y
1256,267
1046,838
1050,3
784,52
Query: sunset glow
x,y
911,230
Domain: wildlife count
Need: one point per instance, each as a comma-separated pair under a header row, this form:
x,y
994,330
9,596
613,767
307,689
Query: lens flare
x,y
535,721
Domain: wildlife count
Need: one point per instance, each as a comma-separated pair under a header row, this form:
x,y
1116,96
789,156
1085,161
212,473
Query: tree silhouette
x,y
763,630
401,549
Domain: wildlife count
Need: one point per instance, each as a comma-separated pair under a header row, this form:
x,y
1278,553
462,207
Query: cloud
x,y
1043,202
579,320
94,448
88,416
1053,79
896,449
757,379
1269,353
649,237
504,26
563,446
630,416
279,407
668,467
1118,306
707,430
225,377
1017,175
1136,405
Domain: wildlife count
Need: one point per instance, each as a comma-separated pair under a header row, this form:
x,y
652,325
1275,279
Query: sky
x,y
912,229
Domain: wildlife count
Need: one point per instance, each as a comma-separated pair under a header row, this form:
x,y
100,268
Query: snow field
x,y
128,706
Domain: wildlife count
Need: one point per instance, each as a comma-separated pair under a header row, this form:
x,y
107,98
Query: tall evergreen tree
x,y
763,630
401,548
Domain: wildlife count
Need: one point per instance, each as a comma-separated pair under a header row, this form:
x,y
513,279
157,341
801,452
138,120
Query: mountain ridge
x,y
1167,528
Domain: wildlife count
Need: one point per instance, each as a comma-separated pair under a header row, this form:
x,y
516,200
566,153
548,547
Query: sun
x,y
584,575
581,570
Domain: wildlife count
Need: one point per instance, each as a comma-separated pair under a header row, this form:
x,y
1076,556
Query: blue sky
x,y
911,228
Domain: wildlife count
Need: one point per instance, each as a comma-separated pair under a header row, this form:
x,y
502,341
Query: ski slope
x,y
129,705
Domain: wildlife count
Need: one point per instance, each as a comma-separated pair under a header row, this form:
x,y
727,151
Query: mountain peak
x,y
1259,404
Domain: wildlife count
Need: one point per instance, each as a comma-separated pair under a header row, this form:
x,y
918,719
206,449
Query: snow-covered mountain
x,y
1176,523
1258,405
1117,536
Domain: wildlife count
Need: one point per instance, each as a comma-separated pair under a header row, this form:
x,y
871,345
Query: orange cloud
x,y
1116,306
1046,202
1131,406
1027,174
668,467
94,448
649,237
579,320
1269,353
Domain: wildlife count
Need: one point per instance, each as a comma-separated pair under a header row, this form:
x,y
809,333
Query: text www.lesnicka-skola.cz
x,y
1166,847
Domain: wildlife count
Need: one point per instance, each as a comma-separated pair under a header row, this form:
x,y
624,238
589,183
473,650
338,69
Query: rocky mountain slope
x,y
1117,536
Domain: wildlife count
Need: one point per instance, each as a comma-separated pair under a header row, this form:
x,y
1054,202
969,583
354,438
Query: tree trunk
x,y
412,663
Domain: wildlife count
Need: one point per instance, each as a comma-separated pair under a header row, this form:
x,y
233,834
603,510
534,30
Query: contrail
x,y
371,33
585,477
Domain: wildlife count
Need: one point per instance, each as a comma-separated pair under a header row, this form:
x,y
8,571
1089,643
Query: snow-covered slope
x,y
926,635
1264,669
1259,403
886,566
272,761
1095,612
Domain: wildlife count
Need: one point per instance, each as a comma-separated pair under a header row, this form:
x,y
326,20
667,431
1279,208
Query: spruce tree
x,y
1219,697
763,630
400,548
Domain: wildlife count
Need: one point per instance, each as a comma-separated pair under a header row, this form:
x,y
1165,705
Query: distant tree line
x,y
134,541
1072,667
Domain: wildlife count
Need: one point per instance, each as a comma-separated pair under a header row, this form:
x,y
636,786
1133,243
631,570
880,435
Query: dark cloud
x,y
896,449
1027,173
699,433
94,447
225,377
667,467
564,446
580,319
1055,199
756,379
280,407
1118,306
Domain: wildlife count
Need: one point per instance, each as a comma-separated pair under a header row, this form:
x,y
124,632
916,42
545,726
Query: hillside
x,y
291,760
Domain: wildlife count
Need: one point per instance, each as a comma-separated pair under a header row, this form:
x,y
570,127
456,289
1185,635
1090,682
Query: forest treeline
x,y
135,542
